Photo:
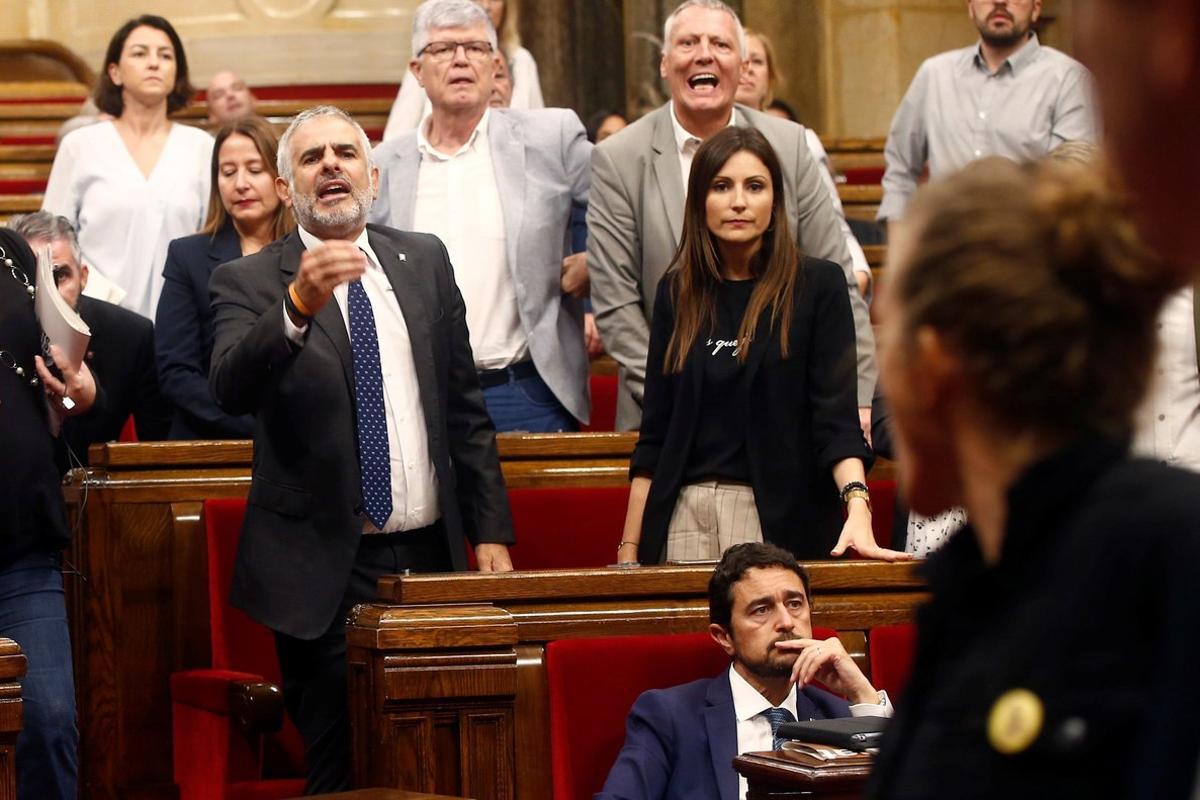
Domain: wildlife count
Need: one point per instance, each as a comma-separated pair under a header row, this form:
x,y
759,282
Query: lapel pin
x,y
402,257
1015,721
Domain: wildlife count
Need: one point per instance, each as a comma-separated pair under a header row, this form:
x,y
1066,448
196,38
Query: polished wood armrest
x,y
256,705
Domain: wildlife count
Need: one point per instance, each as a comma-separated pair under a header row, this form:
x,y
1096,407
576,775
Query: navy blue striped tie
x,y
374,466
777,716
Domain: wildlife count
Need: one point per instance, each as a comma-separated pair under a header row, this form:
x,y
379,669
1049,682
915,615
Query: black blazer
x,y
32,516
802,414
121,357
304,518
183,336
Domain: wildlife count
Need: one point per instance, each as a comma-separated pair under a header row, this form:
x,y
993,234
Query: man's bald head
x,y
1146,59
228,98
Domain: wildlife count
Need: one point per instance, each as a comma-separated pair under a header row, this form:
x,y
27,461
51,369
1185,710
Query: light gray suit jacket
x,y
541,160
635,219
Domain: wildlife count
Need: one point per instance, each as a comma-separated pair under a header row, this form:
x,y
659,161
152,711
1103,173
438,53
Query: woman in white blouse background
x,y
412,105
132,184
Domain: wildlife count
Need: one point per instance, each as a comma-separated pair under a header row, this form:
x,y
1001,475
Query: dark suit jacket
x,y
121,357
304,518
680,742
802,418
183,336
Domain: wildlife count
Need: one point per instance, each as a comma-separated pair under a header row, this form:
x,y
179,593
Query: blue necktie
x,y
374,466
777,716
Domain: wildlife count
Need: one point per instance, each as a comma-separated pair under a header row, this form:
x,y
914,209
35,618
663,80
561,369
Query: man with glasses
x,y
121,349
497,185
1006,95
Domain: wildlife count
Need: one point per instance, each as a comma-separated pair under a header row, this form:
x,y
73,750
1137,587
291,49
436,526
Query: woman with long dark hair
x,y
131,184
244,214
750,429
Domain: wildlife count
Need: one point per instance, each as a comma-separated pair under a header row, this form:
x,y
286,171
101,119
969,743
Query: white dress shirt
x,y
754,731
1168,423
414,484
459,202
124,219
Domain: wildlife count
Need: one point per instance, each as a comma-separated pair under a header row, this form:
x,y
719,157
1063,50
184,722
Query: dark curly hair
x,y
734,565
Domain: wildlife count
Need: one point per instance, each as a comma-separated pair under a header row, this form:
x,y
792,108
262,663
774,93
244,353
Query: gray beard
x,y
314,220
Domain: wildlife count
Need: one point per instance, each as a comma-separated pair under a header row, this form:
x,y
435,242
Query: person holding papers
x,y
33,528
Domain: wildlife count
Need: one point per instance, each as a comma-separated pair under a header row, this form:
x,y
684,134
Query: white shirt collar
x,y
477,137
684,138
310,241
749,703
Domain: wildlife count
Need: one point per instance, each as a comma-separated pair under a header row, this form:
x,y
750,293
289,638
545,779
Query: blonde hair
x,y
509,35
1036,277
775,80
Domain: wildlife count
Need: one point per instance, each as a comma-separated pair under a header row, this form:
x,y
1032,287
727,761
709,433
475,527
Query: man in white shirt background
x,y
680,742
1006,95
497,185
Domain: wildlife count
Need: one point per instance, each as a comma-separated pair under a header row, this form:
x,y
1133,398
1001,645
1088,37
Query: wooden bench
x,y
12,669
448,681
138,606
861,201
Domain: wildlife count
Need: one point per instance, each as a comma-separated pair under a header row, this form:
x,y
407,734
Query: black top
x,y
719,447
801,417
1092,607
31,504
183,333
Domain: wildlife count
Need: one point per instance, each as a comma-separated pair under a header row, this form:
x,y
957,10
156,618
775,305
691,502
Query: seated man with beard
x,y
680,742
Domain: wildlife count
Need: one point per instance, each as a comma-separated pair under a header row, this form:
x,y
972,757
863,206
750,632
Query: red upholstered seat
x,y
566,528
883,509
604,403
214,757
891,649
863,176
594,682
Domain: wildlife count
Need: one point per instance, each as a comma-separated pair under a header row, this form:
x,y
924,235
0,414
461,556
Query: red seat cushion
x,y
566,528
594,682
604,403
892,649
238,642
883,509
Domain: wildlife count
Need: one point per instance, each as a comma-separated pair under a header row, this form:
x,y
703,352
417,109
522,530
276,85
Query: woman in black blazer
x,y
749,428
244,214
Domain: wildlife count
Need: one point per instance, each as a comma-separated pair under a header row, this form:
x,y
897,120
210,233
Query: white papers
x,y
61,325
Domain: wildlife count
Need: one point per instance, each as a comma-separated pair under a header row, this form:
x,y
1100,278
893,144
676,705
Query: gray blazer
x,y
635,219
541,161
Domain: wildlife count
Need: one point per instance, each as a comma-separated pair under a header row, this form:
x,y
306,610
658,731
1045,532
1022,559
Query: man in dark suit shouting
x,y
374,452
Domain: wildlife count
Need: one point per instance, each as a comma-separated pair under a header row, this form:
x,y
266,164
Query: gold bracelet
x,y
853,493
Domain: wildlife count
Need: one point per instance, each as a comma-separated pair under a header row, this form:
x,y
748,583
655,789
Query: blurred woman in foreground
x,y
1019,330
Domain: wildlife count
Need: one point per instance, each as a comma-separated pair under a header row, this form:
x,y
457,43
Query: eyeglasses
x,y
444,51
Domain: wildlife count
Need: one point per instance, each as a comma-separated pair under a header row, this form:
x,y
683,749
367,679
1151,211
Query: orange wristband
x,y
297,302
